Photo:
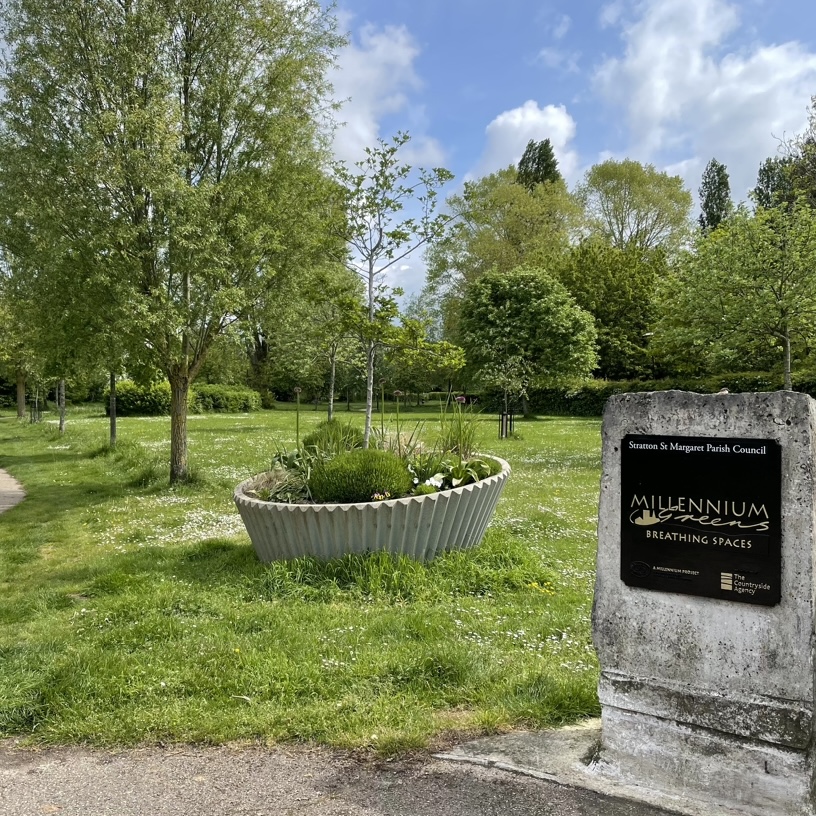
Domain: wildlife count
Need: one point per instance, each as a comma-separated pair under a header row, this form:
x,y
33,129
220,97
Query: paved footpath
x,y
11,491
278,781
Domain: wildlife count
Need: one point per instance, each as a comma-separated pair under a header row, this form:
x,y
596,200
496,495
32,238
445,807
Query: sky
x,y
673,83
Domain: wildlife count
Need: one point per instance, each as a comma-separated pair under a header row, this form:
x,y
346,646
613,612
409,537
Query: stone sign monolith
x,y
704,603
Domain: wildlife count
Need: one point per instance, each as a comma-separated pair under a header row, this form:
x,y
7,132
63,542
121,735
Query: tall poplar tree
x,y
170,146
715,196
538,165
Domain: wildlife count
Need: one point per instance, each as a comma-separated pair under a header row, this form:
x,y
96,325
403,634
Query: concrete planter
x,y
421,527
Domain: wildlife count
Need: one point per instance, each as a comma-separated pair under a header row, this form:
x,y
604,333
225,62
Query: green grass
x,y
133,613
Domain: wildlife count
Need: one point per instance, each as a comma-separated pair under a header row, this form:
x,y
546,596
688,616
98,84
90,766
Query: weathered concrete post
x,y
704,602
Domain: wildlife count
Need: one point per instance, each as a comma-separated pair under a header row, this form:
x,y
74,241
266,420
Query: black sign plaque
x,y
702,516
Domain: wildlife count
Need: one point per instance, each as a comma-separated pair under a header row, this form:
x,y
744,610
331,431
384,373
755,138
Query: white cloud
x,y
375,73
689,95
509,133
561,27
558,58
610,14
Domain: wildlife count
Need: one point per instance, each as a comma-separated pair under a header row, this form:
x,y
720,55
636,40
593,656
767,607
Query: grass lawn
x,y
133,613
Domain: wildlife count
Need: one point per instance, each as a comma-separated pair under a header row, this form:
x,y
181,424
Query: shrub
x,y
154,400
331,438
140,400
224,399
359,476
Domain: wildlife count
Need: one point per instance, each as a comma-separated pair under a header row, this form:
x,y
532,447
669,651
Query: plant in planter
x,y
332,497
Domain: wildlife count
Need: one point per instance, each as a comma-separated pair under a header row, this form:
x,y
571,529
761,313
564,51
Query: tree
x,y
378,236
632,204
715,196
746,292
538,165
498,225
18,359
171,147
774,183
417,364
801,150
527,321
617,287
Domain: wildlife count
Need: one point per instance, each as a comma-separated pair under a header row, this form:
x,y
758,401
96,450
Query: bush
x,y
154,400
331,438
140,400
359,476
224,399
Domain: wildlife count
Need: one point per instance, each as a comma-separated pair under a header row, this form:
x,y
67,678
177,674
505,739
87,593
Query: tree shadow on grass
x,y
243,429
11,461
208,564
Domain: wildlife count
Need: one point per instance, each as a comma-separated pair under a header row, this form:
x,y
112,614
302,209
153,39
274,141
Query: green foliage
x,y
227,361
529,316
715,196
414,363
224,399
162,164
774,183
378,236
457,428
288,479
629,203
617,287
307,333
444,471
588,398
333,437
425,490
466,471
133,399
359,476
801,150
538,165
497,225
746,294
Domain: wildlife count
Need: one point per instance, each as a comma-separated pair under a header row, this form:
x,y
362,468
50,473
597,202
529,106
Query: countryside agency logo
x,y
698,514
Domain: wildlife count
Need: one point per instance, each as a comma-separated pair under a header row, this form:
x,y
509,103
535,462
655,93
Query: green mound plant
x,y
331,438
360,476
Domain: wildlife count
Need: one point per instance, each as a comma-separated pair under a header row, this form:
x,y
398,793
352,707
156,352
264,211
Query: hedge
x,y
225,399
587,399
154,400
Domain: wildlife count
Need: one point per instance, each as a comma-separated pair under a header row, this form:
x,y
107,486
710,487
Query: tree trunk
x,y
21,394
332,377
788,379
61,405
179,390
370,355
369,392
113,409
525,406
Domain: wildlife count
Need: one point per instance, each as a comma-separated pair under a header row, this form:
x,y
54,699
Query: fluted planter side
x,y
421,527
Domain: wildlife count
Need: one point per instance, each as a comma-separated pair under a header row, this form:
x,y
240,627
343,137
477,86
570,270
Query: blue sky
x,y
671,82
